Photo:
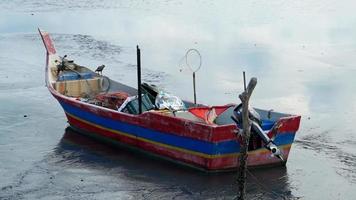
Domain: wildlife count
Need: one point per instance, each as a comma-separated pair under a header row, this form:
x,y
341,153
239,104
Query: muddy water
x,y
302,53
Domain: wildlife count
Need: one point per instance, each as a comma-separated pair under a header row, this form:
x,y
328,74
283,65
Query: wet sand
x,y
303,54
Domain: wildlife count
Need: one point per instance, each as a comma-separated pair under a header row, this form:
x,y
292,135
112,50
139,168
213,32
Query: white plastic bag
x,y
165,100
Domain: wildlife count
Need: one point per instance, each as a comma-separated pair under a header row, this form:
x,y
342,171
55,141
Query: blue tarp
x,y
67,76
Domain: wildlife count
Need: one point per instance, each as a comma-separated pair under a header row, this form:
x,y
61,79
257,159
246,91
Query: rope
x,y
109,84
186,60
91,93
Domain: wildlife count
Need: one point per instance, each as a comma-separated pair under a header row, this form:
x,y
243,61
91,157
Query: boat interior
x,y
83,84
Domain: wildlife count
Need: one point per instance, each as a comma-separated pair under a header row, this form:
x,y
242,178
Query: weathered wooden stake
x,y
245,136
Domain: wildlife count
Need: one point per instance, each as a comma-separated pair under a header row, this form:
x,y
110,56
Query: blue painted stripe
x,y
285,138
178,141
220,148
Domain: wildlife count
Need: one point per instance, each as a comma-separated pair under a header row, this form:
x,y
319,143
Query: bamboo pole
x,y
245,136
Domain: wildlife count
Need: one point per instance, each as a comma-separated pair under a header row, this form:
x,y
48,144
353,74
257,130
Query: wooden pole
x,y
195,94
244,75
139,80
246,125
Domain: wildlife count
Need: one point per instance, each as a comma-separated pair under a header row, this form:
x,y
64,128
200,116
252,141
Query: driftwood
x,y
245,136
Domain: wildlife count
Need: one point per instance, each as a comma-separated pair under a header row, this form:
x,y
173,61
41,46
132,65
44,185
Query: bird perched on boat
x,y
99,70
60,66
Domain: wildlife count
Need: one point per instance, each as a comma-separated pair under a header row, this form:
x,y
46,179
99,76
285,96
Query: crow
x,y
100,69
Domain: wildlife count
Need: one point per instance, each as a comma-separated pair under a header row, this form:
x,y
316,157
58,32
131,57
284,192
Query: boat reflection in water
x,y
159,176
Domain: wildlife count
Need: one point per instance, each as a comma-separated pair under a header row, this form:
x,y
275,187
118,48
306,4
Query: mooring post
x,y
139,92
245,136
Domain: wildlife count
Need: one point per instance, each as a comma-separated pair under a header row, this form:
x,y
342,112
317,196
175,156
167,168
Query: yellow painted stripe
x,y
209,156
101,127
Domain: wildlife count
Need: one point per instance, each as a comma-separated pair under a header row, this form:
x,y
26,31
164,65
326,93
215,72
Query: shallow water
x,y
302,53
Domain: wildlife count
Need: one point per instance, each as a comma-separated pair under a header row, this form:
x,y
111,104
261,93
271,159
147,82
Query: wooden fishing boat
x,y
203,137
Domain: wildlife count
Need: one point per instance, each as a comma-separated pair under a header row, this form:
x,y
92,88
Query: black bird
x,y
100,69
60,66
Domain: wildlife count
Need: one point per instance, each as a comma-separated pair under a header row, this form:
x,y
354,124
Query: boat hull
x,y
203,151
